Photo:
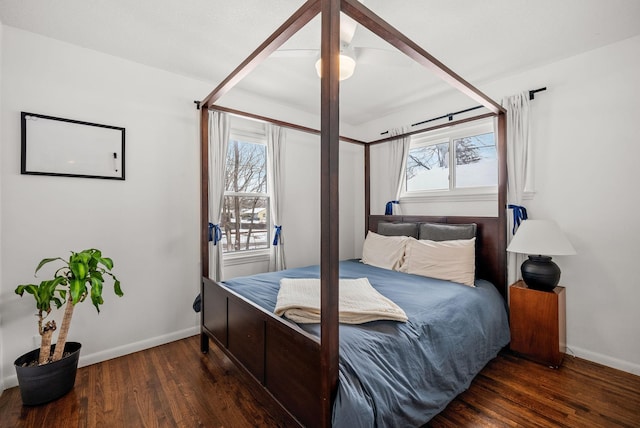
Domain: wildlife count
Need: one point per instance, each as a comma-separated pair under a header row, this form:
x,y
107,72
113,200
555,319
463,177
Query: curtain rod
x,y
450,115
433,128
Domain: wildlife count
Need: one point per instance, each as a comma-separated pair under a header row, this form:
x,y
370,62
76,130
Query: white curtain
x,y
275,159
218,141
399,150
517,163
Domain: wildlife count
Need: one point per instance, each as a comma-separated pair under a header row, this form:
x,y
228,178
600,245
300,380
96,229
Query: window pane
x,y
428,167
244,223
246,169
476,161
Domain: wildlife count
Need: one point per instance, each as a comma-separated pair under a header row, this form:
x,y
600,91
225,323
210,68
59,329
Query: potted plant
x,y
48,373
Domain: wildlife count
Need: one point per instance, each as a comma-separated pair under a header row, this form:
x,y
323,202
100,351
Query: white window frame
x,y
256,136
452,194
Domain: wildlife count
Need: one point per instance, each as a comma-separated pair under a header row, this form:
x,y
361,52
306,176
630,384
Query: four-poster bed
x,y
298,368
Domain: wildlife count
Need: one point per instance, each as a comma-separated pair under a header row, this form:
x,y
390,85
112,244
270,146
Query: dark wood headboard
x,y
491,255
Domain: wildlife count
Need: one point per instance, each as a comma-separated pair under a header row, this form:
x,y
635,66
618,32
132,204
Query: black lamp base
x,y
540,273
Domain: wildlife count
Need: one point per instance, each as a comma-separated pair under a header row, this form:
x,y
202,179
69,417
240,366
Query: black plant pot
x,y
41,384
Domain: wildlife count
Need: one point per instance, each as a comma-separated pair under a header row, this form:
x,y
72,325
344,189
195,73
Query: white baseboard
x,y
130,348
605,360
97,357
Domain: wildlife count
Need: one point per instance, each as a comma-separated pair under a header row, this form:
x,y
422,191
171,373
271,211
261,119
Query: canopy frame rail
x,y
329,133
281,123
363,15
291,26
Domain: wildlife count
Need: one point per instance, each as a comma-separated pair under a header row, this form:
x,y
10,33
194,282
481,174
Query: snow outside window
x,y
245,214
460,160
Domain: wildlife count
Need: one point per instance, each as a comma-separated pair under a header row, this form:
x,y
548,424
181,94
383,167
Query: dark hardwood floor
x,y
174,385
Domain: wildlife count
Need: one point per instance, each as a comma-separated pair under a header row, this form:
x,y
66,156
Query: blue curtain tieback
x,y
276,236
215,233
519,215
388,210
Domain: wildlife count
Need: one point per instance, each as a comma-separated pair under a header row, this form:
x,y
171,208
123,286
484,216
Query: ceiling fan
x,y
350,55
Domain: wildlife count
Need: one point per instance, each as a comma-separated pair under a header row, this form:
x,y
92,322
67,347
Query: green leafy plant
x,y
80,276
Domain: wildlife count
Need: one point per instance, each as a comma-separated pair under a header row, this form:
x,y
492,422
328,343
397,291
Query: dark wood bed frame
x,y
300,370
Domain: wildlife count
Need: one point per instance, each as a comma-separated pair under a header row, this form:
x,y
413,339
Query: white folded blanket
x,y
359,302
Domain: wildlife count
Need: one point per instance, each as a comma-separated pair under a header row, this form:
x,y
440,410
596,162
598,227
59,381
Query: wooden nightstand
x,y
538,323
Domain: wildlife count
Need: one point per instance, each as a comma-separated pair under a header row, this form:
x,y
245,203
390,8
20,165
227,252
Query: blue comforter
x,y
402,374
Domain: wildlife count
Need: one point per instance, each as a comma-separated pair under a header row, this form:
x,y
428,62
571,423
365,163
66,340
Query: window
x,y
472,152
245,212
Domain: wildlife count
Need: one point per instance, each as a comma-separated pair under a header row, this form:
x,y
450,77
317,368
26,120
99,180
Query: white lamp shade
x,y
347,66
540,237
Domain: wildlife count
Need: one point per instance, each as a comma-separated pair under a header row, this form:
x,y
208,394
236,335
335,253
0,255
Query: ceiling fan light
x,y
347,66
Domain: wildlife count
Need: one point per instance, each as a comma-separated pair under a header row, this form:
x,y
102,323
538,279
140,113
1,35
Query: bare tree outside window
x,y
474,160
428,167
246,203
467,150
427,157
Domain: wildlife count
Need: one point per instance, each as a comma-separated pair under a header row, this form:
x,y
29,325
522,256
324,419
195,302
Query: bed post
x,y
204,214
367,187
329,151
502,200
204,190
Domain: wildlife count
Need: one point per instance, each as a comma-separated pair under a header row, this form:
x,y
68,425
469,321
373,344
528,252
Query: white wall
x,y
302,201
1,341
148,223
586,176
586,154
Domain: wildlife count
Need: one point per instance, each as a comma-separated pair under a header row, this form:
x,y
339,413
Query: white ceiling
x,y
207,39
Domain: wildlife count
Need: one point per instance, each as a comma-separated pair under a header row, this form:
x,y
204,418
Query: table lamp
x,y
540,239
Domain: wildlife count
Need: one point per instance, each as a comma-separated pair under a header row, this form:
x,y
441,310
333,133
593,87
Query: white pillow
x,y
384,251
449,260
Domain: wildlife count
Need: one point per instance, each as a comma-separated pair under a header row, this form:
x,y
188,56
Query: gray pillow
x,y
447,232
398,229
